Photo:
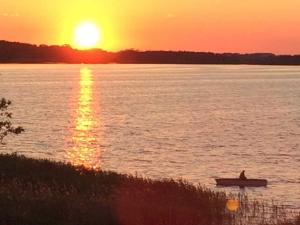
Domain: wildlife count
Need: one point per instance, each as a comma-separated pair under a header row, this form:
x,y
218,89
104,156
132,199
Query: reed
x,y
44,192
257,212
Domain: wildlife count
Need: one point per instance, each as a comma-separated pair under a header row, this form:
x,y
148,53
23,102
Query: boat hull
x,y
242,183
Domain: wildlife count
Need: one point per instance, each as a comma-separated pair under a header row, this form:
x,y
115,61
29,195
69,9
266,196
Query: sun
x,y
87,35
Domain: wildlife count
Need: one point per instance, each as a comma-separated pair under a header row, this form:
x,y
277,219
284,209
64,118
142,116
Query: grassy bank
x,y
43,192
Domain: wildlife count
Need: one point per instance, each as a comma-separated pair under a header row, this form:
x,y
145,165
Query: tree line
x,y
15,52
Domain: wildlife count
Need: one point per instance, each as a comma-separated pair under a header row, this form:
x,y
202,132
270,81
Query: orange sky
x,y
199,25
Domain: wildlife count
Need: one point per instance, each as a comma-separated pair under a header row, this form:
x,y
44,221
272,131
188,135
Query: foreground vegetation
x,y
43,192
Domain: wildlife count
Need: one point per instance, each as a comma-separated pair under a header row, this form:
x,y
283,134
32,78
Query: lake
x,y
196,122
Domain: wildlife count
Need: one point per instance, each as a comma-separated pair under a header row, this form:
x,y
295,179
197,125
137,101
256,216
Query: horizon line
x,y
143,50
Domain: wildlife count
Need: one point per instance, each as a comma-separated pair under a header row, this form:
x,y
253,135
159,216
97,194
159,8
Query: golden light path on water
x,y
84,138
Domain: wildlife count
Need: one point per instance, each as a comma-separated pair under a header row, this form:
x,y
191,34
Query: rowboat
x,y
241,182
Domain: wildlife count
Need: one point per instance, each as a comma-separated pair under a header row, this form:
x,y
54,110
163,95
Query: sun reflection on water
x,y
84,139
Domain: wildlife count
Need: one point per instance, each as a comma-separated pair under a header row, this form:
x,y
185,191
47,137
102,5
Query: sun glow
x,y
87,35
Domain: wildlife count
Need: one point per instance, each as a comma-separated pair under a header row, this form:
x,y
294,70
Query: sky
x,y
244,26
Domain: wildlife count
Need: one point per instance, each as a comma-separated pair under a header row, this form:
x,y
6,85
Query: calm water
x,y
192,122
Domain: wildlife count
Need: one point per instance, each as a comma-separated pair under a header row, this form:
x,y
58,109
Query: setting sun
x,y
87,35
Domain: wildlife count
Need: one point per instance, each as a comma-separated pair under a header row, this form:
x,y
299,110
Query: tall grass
x,y
44,192
262,213
41,192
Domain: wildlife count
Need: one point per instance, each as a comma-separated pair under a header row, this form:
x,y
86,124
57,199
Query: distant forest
x,y
14,52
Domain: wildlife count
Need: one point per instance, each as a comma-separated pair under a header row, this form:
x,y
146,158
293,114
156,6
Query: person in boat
x,y
242,175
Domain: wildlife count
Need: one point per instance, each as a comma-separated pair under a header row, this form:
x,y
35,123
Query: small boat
x,y
241,182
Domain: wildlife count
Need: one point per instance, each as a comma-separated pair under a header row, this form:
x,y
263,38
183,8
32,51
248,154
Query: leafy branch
x,y
6,126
